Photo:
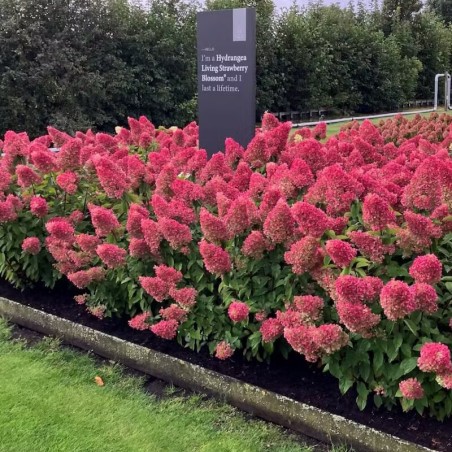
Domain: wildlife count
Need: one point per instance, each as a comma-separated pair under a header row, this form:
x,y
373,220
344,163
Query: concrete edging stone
x,y
268,405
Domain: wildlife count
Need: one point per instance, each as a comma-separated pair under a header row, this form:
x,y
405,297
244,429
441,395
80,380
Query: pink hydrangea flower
x,y
168,274
212,227
341,253
84,278
76,217
164,180
138,248
238,311
135,215
139,322
178,235
81,299
260,316
309,306
61,229
232,151
240,216
88,243
67,182
111,255
80,279
435,357
223,350
302,340
370,246
411,389
255,245
166,329
186,296
426,269
271,329
330,338
176,209
424,190
397,300
333,187
310,219
7,211
377,213
104,220
31,245
174,312
68,156
111,177
300,173
290,318
151,234
155,287
303,255
43,159
26,176
421,226
216,259
257,153
445,380
358,318
97,311
279,224
425,297
39,206
241,177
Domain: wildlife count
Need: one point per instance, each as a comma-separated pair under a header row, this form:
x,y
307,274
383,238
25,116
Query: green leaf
x,y
378,361
439,397
412,326
364,371
335,369
406,350
345,385
378,400
363,393
448,286
407,365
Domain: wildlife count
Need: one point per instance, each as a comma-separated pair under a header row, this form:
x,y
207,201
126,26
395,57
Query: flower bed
x,y
337,250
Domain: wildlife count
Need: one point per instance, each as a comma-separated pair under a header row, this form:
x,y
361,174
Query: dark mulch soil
x,y
293,377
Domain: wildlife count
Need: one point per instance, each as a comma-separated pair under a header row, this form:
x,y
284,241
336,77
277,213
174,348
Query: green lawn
x,y
50,402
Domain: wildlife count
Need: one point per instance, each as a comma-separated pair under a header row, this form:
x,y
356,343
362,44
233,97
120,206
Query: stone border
x,y
268,405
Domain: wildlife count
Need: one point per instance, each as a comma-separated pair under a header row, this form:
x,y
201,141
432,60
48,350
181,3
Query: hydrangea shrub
x,y
338,249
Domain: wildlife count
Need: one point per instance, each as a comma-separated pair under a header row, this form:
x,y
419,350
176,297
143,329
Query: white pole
x,y
446,91
448,88
435,104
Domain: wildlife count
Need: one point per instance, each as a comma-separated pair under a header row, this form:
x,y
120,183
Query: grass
x,y
50,402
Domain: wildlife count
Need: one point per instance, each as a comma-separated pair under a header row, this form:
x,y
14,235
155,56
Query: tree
x,y
401,9
443,8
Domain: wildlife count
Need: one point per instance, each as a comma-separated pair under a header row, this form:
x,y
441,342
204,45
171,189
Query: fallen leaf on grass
x,y
99,381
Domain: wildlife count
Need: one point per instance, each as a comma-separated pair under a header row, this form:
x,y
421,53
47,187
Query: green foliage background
x,y
77,64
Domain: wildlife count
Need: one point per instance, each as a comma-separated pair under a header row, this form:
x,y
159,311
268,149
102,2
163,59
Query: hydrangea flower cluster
x,y
324,241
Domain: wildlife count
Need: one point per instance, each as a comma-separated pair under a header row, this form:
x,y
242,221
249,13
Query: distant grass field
x,y
50,403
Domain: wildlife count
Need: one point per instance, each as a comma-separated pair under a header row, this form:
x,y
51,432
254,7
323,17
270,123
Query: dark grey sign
x,y
226,77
